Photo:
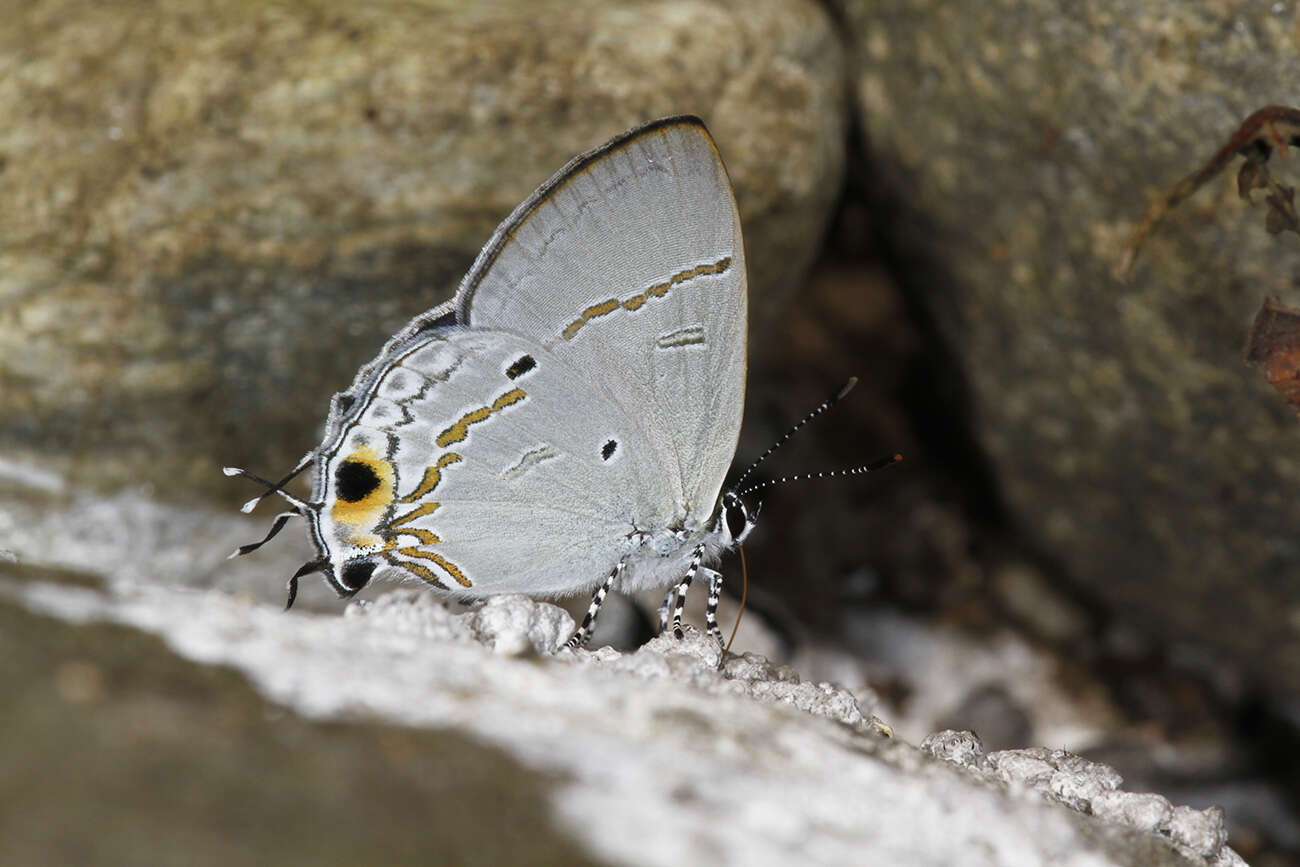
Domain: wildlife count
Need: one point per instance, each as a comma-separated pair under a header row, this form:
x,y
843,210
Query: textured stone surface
x,y
656,757
120,752
1020,143
215,213
926,674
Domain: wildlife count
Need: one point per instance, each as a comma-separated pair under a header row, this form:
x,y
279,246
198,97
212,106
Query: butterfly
x,y
564,424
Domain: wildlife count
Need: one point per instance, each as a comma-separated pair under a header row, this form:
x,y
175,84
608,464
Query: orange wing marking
x,y
425,537
365,511
458,431
426,509
634,302
422,572
432,476
451,568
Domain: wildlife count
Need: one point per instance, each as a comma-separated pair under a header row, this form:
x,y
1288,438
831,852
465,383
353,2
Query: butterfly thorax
x,y
657,558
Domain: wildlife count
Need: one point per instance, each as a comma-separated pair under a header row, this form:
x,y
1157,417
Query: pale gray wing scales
x,y
504,476
630,264
481,413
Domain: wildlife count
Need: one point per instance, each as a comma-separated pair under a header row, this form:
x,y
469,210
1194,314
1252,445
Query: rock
x,y
652,757
130,754
1147,812
944,673
516,625
127,538
214,215
412,611
1200,832
960,748
1018,149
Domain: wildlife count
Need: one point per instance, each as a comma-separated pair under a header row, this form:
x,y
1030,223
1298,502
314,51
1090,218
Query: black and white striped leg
x,y
583,635
682,588
711,609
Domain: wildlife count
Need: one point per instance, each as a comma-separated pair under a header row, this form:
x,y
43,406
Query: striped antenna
x,y
828,474
821,408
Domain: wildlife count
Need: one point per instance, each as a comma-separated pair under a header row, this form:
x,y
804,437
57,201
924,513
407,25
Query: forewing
x,y
629,264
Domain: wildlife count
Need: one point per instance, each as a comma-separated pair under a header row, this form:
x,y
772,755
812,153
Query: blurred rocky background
x,y
214,213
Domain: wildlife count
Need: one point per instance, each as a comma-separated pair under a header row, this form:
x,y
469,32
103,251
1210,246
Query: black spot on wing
x,y
608,449
354,480
522,365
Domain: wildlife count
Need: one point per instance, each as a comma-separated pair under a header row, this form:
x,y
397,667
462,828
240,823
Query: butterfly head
x,y
346,566
735,520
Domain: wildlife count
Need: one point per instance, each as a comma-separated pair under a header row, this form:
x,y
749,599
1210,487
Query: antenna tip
x,y
880,464
231,471
848,386
233,554
248,507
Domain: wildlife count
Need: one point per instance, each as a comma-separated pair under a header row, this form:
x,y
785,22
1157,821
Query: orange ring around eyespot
x,y
366,512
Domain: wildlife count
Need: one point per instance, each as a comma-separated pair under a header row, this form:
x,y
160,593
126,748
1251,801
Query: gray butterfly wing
x,y
629,264
481,463
622,282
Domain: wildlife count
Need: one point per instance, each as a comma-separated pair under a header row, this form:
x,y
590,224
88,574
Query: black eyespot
x,y
736,516
522,365
345,402
355,576
608,449
354,481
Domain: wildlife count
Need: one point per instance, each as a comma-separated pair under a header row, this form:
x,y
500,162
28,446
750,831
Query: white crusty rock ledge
x,y
663,756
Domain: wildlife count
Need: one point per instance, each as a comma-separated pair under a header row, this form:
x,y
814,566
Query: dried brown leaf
x,y
1270,129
